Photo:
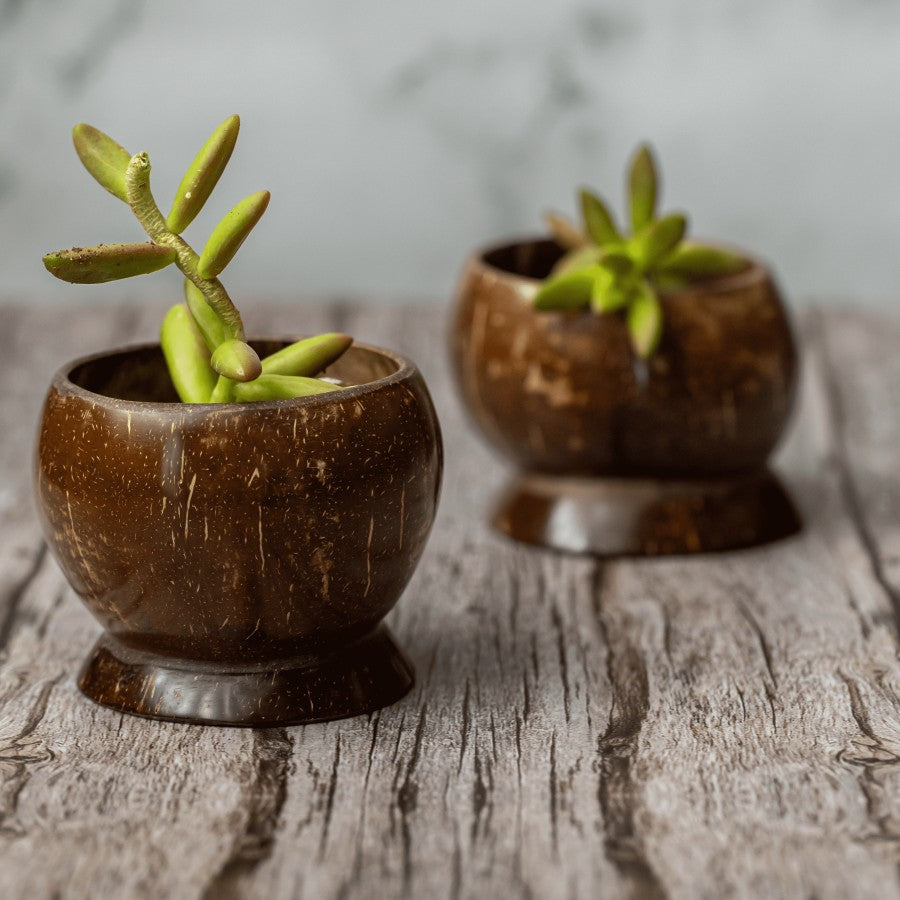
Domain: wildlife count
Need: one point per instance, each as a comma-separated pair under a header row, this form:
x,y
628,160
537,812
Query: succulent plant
x,y
202,339
607,270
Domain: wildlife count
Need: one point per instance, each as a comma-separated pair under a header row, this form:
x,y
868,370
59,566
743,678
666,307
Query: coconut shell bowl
x,y
240,557
616,455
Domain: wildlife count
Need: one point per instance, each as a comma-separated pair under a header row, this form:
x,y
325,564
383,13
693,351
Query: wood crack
x,y
554,789
329,799
464,728
878,763
617,748
407,798
272,749
42,626
14,598
482,796
770,684
375,720
556,619
764,648
16,755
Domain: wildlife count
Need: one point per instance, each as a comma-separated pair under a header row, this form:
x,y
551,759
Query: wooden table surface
x,y
722,726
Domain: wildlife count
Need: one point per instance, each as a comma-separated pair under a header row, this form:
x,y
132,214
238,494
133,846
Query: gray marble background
x,y
396,135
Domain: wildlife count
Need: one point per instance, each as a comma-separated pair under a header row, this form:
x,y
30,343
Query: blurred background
x,y
396,136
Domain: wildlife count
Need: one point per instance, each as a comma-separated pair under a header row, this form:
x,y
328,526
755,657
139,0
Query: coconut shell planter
x,y
240,557
239,516
628,439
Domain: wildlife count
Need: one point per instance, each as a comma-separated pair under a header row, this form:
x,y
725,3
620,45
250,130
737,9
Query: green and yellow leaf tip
x,y
105,159
107,262
203,175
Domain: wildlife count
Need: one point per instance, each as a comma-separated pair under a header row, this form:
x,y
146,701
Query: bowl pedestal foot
x,y
645,516
347,680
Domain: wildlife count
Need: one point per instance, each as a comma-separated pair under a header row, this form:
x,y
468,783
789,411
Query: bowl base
x,y
356,678
643,516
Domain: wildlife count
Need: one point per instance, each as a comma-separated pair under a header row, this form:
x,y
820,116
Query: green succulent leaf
x,y
187,356
658,240
107,262
692,260
645,321
202,175
610,293
223,392
569,291
618,263
577,259
565,232
102,157
211,326
598,220
307,357
643,186
282,387
230,233
236,360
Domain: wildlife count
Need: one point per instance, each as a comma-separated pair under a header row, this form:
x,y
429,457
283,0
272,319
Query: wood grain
x,y
705,727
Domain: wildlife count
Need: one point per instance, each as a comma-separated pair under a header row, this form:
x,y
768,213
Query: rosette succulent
x,y
202,339
608,270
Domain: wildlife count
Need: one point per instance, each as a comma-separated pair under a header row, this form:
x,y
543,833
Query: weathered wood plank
x,y
707,727
864,372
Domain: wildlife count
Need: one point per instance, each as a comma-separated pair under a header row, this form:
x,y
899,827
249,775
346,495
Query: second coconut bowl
x,y
618,456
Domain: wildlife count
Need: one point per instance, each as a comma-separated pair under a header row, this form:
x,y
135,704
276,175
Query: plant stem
x,y
140,199
223,392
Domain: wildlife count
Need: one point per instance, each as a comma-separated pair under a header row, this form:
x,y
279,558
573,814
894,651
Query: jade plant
x,y
608,270
203,339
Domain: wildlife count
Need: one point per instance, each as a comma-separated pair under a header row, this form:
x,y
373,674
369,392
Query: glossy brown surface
x,y
562,392
646,517
240,557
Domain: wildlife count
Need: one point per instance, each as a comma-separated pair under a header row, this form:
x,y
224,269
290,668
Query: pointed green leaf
x,y
701,261
643,187
569,291
281,387
307,357
107,262
236,360
645,321
565,232
102,157
230,233
202,175
577,259
211,326
598,220
658,240
187,356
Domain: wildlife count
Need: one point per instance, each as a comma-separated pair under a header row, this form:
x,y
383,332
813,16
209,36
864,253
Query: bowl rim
x,y
61,381
756,270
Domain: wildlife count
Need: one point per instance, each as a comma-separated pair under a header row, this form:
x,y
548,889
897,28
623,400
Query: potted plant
x,y
638,381
239,515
